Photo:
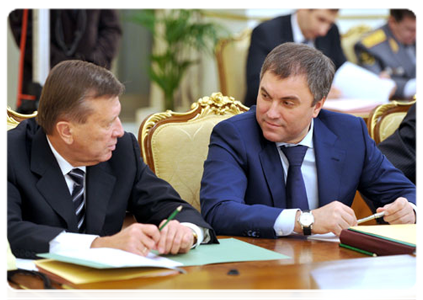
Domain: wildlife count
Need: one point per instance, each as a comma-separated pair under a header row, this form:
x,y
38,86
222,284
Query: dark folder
x,y
381,239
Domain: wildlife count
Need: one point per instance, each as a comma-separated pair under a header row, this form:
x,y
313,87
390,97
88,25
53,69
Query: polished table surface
x,y
312,265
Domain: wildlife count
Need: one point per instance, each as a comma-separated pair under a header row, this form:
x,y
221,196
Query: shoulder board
x,y
374,38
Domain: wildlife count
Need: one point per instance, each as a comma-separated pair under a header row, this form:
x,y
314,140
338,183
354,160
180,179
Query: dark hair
x,y
400,14
68,86
291,59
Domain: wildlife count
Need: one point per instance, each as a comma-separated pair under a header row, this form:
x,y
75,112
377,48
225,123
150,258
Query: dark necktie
x,y
295,188
77,176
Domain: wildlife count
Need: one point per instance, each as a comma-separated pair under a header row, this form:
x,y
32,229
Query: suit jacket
x,y
380,51
400,147
272,33
40,205
243,189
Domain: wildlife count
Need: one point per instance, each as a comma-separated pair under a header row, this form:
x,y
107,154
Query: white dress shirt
x,y
76,241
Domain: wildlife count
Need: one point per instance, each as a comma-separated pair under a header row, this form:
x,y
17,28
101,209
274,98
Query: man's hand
x,y
175,238
333,217
137,238
398,212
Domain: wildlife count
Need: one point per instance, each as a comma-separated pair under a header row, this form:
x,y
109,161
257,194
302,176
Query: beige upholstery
x,y
175,145
231,56
350,38
386,118
13,118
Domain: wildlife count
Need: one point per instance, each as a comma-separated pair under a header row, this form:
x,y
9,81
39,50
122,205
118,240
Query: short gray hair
x,y
291,59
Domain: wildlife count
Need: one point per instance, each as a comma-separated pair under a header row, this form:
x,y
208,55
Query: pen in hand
x,y
177,210
374,216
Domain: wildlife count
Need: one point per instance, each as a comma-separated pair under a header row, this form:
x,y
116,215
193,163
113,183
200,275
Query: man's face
x,y
316,22
284,108
405,30
94,141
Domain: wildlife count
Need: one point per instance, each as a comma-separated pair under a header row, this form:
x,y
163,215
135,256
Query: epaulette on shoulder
x,y
374,38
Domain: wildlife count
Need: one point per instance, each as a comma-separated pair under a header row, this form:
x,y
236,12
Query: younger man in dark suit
x,y
315,27
78,130
288,166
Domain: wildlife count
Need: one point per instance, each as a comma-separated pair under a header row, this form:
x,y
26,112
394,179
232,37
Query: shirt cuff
x,y
285,222
417,211
410,88
71,242
199,231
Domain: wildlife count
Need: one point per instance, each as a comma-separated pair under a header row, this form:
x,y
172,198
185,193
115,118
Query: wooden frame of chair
x,y
14,118
380,112
216,104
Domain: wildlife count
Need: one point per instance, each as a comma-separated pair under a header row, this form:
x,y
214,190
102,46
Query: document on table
x,y
105,258
327,237
229,250
355,82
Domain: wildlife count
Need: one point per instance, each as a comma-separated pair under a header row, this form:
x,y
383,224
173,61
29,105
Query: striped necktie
x,y
78,200
295,188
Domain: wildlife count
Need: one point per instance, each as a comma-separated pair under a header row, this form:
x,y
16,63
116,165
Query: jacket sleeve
x,y
224,185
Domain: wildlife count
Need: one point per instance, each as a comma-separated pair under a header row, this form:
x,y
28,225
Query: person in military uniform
x,y
390,51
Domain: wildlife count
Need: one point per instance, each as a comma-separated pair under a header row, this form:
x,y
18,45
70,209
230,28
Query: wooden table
x,y
312,265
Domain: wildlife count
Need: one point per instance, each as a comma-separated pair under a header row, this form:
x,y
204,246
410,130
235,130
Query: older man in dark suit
x,y
315,27
74,173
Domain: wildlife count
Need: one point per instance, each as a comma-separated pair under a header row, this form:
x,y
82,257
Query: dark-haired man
x,y
288,166
390,51
73,173
315,27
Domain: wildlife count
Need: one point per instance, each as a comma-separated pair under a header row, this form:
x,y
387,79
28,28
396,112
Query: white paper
x,y
352,105
111,258
355,82
327,237
26,264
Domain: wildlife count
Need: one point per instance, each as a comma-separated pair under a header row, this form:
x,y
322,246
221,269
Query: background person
x,y
315,27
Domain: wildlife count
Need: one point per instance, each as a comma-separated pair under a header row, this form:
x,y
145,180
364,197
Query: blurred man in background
x,y
390,51
314,27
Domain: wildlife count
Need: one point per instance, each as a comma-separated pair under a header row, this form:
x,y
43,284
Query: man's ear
x,y
318,106
64,129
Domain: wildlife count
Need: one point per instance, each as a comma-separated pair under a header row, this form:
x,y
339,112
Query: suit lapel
x,y
99,187
51,184
272,169
329,162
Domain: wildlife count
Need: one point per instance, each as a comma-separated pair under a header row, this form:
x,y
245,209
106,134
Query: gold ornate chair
x,y
386,118
231,56
175,145
14,118
350,38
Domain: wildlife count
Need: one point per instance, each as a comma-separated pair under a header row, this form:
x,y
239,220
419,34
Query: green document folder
x,y
229,250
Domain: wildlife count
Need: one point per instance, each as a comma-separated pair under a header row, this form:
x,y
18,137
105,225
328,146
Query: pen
x,y
177,210
358,250
375,216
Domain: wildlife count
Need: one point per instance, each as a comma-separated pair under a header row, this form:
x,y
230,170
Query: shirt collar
x,y
64,165
296,31
306,141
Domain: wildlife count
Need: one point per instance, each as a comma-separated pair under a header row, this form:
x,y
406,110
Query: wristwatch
x,y
306,221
